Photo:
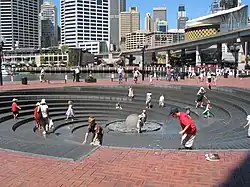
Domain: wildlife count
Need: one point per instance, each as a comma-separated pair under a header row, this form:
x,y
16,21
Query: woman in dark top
x,y
96,130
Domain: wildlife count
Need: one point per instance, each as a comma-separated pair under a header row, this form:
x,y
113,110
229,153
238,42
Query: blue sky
x,y
194,8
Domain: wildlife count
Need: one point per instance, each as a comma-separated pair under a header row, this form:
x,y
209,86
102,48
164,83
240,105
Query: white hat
x,y
43,101
37,104
13,100
144,111
248,118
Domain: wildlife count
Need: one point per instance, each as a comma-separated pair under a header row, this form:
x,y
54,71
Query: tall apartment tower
x,y
160,13
19,23
182,17
129,22
148,22
48,29
116,7
85,24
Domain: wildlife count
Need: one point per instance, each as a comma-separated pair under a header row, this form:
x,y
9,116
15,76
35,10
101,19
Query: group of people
x,y
188,132
201,100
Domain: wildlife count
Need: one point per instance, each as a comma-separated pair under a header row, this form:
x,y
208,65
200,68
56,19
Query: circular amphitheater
x,y
223,131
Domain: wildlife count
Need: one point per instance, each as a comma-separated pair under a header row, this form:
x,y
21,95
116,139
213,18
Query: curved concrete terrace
x,y
223,132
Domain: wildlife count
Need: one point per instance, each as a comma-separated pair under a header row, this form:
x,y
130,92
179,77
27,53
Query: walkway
x,y
230,82
120,167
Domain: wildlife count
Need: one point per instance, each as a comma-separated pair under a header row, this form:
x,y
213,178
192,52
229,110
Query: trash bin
x,y
182,75
226,75
24,80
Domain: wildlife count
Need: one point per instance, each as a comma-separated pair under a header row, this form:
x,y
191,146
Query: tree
x,y
42,60
64,49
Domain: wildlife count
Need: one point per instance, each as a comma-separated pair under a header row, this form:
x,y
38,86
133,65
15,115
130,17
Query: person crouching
x,y
189,129
96,130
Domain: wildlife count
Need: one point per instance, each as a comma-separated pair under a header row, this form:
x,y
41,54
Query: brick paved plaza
x,y
124,167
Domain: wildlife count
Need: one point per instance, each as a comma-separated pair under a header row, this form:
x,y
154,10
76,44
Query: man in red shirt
x,y
189,130
15,108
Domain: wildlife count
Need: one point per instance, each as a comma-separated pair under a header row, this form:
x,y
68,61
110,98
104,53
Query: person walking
x,y
44,120
148,100
70,111
36,115
130,93
15,108
189,130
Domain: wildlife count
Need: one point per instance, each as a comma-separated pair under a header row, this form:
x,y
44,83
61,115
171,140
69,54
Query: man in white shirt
x,y
44,121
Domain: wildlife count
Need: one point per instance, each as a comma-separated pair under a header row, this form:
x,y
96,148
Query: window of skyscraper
x,y
99,2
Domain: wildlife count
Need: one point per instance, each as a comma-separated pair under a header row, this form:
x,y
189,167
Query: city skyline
x,y
201,8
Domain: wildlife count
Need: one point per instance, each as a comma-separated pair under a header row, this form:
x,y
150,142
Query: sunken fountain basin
x,y
130,125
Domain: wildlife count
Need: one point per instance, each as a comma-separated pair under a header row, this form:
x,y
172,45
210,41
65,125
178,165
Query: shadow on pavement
x,y
240,176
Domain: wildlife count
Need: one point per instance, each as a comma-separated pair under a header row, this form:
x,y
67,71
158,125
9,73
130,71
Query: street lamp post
x,y
143,62
234,49
1,52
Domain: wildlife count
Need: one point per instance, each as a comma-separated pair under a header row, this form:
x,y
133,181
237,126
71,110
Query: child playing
x,y
200,97
161,101
112,77
15,108
118,106
206,112
248,124
65,78
130,93
70,112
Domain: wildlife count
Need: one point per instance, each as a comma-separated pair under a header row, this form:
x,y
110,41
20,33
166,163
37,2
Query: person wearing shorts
x,y
15,108
188,126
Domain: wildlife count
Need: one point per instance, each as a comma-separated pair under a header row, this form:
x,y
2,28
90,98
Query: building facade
x,y
148,22
129,22
135,40
159,13
19,23
84,21
156,39
161,26
182,17
116,7
48,30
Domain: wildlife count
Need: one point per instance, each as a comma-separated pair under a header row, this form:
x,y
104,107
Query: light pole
x,y
1,55
234,49
143,61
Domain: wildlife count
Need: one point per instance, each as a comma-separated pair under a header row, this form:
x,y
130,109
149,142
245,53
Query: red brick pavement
x,y
108,167
244,83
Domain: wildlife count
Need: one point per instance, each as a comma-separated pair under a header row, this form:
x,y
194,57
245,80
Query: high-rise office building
x,y
182,17
161,26
160,13
19,23
116,7
48,33
85,24
40,4
148,22
129,22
